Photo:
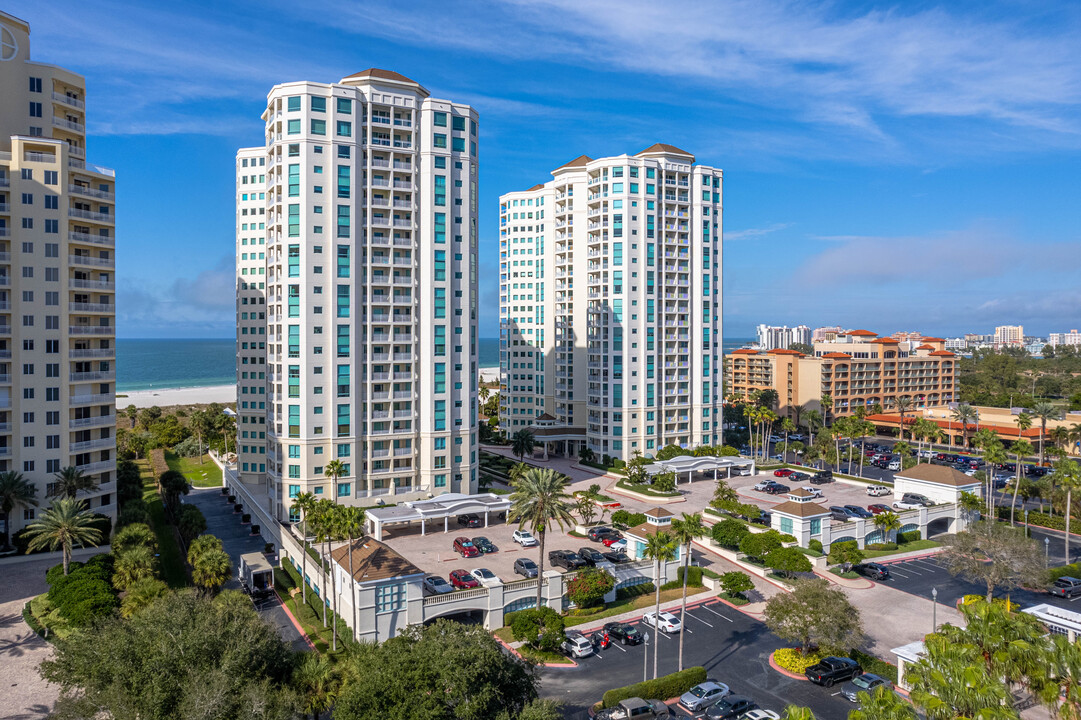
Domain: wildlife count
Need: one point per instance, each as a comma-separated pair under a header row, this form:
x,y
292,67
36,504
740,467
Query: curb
x,y
787,673
296,623
569,664
659,500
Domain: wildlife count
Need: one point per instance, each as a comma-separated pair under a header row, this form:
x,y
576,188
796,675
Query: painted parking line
x,y
893,571
706,607
926,564
711,625
914,571
617,646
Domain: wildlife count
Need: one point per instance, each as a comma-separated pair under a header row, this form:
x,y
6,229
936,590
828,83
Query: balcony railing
x,y
91,330
92,399
77,284
88,215
90,192
91,422
90,376
92,239
96,467
88,445
67,100
89,261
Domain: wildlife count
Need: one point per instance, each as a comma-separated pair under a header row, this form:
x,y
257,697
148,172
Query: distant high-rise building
x,y
956,344
773,336
1067,338
58,307
610,305
370,285
908,336
1009,335
826,334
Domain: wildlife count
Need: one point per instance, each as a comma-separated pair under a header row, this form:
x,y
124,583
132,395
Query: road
x,y
733,647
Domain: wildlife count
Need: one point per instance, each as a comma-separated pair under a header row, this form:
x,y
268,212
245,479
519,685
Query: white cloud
x,y
202,306
755,232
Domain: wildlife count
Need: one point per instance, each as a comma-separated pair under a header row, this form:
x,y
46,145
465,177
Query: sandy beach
x,y
489,374
177,396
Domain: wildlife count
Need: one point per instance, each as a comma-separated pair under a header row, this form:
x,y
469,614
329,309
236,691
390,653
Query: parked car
x,y
815,492
524,538
486,577
525,567
878,508
565,559
702,696
617,544
798,477
469,520
435,585
776,489
765,517
635,708
575,645
590,556
868,683
617,557
484,545
859,511
762,485
831,669
910,501
1066,587
608,539
894,465
797,436
624,633
666,621
872,570
596,534
822,476
463,580
783,472
776,438
878,490
464,547
842,513
729,707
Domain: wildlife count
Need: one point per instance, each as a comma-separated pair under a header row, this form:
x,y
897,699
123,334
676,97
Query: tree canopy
x,y
994,555
815,613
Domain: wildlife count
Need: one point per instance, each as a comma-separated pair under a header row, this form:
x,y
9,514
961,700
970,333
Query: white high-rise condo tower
x,y
361,253
610,305
57,284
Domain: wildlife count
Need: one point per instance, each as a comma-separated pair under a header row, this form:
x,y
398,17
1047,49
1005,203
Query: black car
x,y
872,570
624,633
565,559
525,567
831,669
590,556
484,545
776,489
469,520
860,512
617,557
822,477
798,477
731,706
764,518
597,534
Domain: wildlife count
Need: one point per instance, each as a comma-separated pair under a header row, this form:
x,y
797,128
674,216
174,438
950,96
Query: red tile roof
x,y
942,353
861,333
932,339
745,351
1005,430
926,347
383,75
784,351
663,148
887,340
579,161
837,356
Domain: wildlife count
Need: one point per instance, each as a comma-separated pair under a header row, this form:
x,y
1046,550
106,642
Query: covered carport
x,y
690,464
434,510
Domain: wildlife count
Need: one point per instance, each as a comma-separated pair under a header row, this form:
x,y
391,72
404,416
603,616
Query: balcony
x,y
92,376
96,467
70,101
91,239
88,215
5,329
89,261
92,422
77,284
5,428
91,352
87,446
68,125
91,330
92,307
88,191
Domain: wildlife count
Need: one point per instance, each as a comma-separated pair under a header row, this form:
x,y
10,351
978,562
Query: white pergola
x,y
441,507
690,464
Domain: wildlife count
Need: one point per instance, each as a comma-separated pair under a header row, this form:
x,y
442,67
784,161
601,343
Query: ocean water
x,y
162,364
158,364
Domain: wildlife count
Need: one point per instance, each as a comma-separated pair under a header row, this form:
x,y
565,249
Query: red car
x,y
783,472
465,547
462,580
611,538
878,508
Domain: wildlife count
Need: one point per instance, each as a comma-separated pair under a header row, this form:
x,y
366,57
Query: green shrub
x,y
882,546
627,519
694,579
541,627
736,583
759,545
787,561
1073,570
815,545
910,536
625,593
973,599
663,687
729,533
1036,518
589,587
792,660
871,664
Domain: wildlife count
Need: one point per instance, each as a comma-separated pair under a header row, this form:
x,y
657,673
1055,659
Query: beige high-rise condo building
x,y
357,294
1064,338
1009,335
57,285
610,305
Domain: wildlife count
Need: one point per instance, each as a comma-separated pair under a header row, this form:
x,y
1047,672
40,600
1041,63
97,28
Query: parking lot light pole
x,y
1047,552
645,656
1028,531
934,609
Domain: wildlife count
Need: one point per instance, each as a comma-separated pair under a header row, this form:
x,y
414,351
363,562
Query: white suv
x,y
524,538
576,646
878,490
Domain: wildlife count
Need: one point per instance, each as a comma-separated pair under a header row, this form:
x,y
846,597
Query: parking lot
x,y
733,648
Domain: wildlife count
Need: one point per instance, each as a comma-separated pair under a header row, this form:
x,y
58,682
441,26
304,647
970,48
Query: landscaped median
x,y
665,687
793,663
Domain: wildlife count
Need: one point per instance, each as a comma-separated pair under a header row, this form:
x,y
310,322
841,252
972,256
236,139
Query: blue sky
x,y
891,166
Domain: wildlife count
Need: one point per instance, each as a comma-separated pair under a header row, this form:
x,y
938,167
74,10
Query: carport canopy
x,y
690,464
441,507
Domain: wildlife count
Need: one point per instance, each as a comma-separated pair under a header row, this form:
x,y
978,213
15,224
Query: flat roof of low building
x,y
439,507
1056,616
691,463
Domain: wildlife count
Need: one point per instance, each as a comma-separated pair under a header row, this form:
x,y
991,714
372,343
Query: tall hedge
x,y
662,688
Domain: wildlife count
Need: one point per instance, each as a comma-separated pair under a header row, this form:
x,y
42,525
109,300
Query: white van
x,y
895,464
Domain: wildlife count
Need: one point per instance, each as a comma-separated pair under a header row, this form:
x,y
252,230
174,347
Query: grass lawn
x,y
621,606
907,547
200,472
309,614
170,560
645,489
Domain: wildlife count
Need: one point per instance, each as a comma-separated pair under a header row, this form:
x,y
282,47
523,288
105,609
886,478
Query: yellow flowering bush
x,y
792,660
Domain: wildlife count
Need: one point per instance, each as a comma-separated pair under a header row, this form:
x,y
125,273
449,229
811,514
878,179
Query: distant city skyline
x,y
866,179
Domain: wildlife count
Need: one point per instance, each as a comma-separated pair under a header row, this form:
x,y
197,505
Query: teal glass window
x,y
439,119
440,302
440,265
343,381
292,104
440,140
343,420
343,181
458,123
319,104
345,128
343,301
319,127
457,144
294,180
343,261
345,105
440,189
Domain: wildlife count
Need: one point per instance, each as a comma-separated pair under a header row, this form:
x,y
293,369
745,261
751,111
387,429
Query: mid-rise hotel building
x,y
357,293
57,284
610,305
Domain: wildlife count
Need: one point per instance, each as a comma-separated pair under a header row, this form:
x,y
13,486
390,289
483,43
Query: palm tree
x,y
1067,474
318,682
211,570
521,443
1044,411
351,524
323,529
1021,449
64,525
964,414
814,420
69,481
882,704
826,401
15,490
540,499
1075,436
994,454
332,471
134,564
797,413
200,422
334,531
1060,436
132,412
887,522
788,427
172,485
140,594
660,548
484,394
795,712
305,502
517,471
685,530
902,405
